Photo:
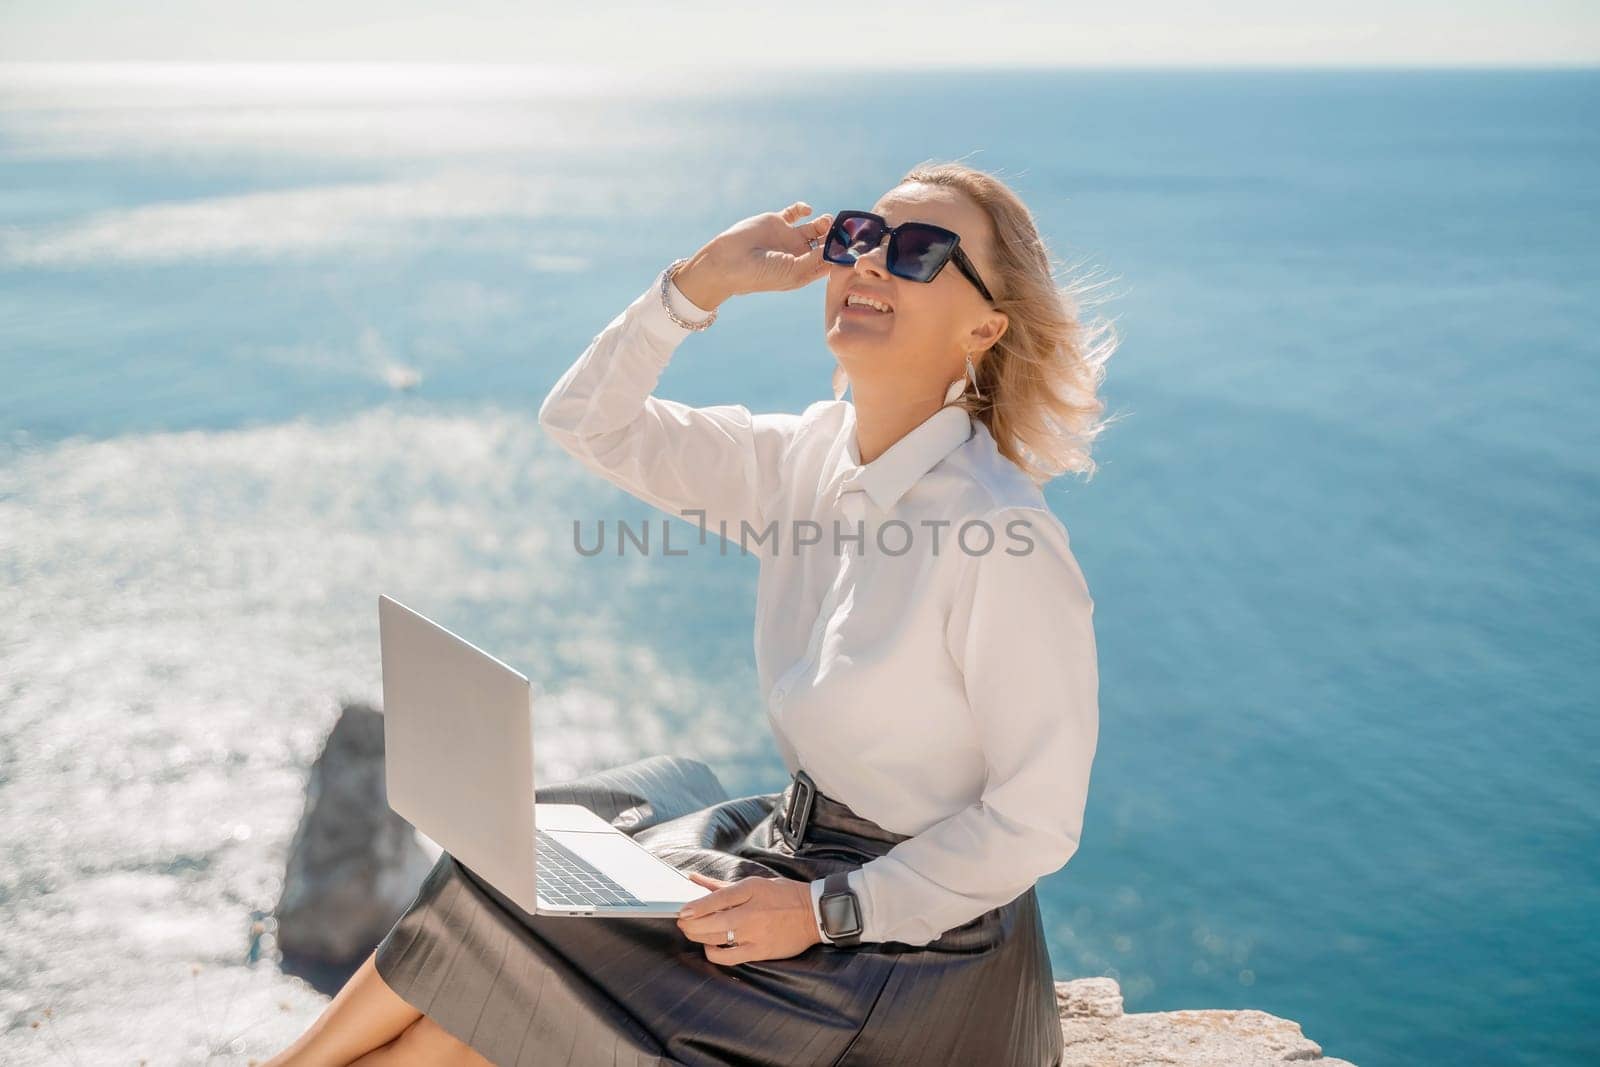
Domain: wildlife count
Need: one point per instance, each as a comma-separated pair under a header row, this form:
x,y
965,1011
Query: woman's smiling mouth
x,y
858,304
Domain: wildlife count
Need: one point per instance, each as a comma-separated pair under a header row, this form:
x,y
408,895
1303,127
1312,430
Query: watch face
x,y
840,918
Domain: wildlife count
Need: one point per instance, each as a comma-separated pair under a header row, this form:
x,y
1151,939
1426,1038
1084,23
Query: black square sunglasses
x,y
917,252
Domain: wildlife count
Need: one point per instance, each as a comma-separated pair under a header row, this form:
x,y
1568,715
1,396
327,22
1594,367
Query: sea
x,y
273,340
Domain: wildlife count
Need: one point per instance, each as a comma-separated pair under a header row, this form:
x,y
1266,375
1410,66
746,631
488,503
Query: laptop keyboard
x,y
567,878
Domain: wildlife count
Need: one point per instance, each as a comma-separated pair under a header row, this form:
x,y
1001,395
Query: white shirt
x,y
945,692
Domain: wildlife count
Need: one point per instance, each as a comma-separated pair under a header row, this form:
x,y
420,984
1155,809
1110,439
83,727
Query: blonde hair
x,y
1038,383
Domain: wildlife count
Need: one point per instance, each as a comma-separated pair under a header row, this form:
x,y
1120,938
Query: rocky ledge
x,y
1098,1034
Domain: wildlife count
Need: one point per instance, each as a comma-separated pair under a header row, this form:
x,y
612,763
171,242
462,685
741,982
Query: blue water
x,y
1342,544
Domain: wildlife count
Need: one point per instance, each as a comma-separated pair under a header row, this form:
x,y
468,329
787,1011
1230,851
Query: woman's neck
x,y
886,414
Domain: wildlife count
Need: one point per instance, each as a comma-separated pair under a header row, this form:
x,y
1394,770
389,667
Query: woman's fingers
x,y
796,259
711,929
812,266
817,227
797,269
760,254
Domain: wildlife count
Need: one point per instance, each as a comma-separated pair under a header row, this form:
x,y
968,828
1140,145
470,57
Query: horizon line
x,y
634,68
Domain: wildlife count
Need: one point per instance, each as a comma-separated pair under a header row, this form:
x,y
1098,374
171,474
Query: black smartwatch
x,y
840,911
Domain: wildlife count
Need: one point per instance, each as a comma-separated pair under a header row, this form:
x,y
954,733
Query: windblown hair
x,y
1038,384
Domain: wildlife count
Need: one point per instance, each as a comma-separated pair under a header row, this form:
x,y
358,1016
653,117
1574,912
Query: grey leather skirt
x,y
526,990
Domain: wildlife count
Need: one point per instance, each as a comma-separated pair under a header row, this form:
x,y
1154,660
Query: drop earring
x,y
973,374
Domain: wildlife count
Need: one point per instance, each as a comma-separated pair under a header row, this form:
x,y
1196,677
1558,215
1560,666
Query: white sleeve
x,y
1022,634
721,459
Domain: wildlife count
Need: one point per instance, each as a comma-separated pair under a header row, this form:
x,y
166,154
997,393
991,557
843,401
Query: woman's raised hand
x,y
761,254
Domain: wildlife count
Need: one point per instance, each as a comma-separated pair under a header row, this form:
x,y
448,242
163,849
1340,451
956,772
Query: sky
x,y
702,36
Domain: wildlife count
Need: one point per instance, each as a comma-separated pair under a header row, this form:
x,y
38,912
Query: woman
x,y
926,652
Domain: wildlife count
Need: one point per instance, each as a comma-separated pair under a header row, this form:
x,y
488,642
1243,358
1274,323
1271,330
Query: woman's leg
x,y
365,1015
424,1044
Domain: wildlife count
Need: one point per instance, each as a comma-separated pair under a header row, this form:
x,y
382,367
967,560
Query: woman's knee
x,y
428,1042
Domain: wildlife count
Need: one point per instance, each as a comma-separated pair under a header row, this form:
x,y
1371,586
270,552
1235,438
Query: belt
x,y
795,818
806,814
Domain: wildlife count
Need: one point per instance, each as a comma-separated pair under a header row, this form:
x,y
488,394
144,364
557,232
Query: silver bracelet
x,y
666,280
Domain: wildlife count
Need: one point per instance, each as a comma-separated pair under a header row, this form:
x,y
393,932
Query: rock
x,y
1098,1034
354,865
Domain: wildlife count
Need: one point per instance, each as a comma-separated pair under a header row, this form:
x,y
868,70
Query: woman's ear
x,y
987,334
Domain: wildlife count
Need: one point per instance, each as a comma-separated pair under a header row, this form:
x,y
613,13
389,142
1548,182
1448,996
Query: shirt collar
x,y
888,478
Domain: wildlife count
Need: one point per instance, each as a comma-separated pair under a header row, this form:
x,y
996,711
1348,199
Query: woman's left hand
x,y
771,918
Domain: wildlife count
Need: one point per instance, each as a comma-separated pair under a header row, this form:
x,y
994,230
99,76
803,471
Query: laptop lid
x,y
458,748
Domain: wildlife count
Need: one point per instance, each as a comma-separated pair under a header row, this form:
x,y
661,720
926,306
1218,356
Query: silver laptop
x,y
458,741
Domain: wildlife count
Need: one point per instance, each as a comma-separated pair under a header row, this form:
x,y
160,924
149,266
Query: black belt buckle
x,y
796,817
